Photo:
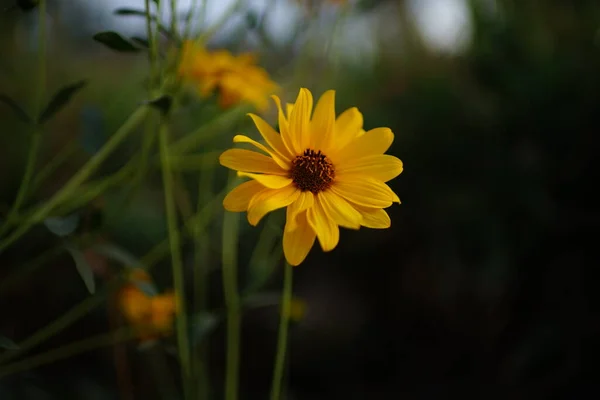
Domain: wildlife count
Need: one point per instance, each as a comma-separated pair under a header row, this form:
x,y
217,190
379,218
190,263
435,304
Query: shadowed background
x,y
484,287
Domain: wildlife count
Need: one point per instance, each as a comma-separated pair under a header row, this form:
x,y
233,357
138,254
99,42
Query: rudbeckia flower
x,y
327,171
235,79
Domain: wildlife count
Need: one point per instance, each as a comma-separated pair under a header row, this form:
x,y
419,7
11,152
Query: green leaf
x,y
59,100
147,288
62,226
201,325
116,42
118,254
162,103
18,110
251,19
7,344
131,11
140,41
84,269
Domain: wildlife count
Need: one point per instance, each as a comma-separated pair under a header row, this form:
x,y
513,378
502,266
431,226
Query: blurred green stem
x,y
95,342
174,27
81,176
55,326
153,53
62,156
34,147
201,279
282,339
177,266
205,37
232,302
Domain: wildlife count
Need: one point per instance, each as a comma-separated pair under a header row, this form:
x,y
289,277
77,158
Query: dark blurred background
x,y
485,287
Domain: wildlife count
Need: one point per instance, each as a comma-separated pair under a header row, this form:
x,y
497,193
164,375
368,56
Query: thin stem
x,y
54,163
201,279
205,37
174,28
232,302
174,240
82,346
282,339
81,176
55,326
153,53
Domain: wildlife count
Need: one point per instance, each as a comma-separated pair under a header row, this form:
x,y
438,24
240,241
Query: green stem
x,y
283,333
82,346
54,163
84,173
55,326
174,28
174,240
205,37
232,302
201,279
153,53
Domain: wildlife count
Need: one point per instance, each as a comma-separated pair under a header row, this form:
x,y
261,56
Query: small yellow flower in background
x,y
297,310
151,316
327,171
236,79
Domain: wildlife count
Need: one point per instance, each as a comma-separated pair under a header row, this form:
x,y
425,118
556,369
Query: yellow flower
x,y
235,78
151,316
328,172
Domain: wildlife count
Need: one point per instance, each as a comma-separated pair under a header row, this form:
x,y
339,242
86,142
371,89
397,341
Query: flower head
x,y
236,79
327,171
151,316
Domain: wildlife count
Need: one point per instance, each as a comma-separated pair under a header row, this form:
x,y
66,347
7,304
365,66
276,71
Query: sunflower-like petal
x,y
250,161
268,181
364,191
304,202
383,167
374,142
298,242
375,218
326,229
245,139
239,198
299,121
272,138
343,213
323,121
347,127
284,128
269,200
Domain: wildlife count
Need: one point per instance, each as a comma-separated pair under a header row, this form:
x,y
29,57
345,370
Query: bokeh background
x,y
485,286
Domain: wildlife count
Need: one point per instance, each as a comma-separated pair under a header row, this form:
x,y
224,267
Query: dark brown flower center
x,y
312,171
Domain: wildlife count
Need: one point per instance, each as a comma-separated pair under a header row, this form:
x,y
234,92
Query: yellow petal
x,y
375,142
343,213
300,120
383,167
250,161
288,109
297,243
245,139
326,229
272,138
304,202
323,121
375,218
268,181
364,191
347,127
239,198
284,127
269,200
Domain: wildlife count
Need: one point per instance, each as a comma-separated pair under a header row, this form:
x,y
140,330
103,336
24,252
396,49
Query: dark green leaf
x,y
163,103
130,11
18,110
59,100
118,254
7,344
251,19
201,325
62,226
115,42
142,42
147,288
84,269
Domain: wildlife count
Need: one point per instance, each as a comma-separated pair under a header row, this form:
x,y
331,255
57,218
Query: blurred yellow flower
x,y
297,309
328,172
236,79
151,316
